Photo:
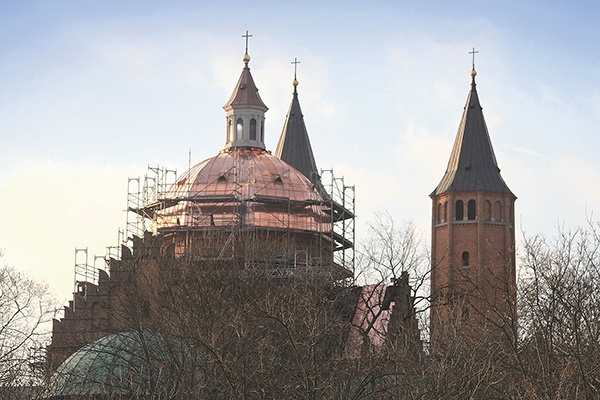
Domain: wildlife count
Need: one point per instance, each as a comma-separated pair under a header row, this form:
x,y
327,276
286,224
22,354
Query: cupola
x,y
245,112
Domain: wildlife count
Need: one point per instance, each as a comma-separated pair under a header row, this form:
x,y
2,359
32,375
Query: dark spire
x,y
294,144
472,164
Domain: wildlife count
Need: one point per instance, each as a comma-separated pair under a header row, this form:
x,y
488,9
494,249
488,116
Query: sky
x,y
92,93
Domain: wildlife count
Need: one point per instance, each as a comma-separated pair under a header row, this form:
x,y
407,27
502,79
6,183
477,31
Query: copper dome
x,y
242,187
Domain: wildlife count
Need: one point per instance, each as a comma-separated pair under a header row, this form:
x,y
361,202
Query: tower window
x,y
439,213
460,211
471,210
445,215
487,211
239,129
465,259
498,211
252,129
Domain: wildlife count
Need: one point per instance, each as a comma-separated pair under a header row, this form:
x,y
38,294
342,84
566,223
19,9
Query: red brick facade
x,y
473,260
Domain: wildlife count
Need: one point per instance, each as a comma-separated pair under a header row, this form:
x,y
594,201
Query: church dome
x,y
124,364
243,187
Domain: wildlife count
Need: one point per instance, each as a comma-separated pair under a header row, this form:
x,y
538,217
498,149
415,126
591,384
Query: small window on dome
x,y
278,180
252,129
222,179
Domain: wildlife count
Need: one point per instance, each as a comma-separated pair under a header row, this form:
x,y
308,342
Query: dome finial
x,y
295,81
246,58
473,72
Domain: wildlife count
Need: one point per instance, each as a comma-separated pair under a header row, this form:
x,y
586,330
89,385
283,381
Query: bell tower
x,y
473,277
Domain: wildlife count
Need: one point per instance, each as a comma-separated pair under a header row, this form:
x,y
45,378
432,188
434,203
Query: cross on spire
x,y
473,53
295,62
247,37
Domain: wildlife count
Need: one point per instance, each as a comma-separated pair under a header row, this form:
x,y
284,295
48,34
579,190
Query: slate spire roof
x,y
472,164
294,144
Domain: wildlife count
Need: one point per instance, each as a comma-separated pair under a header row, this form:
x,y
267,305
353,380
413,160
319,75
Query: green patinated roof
x,y
125,364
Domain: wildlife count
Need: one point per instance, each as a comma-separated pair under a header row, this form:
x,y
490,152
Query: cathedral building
x,y
248,215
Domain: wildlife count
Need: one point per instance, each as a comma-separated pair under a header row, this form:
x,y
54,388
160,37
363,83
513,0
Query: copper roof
x,y
249,172
294,145
243,186
472,164
246,92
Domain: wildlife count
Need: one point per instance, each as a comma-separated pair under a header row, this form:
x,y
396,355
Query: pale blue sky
x,y
93,92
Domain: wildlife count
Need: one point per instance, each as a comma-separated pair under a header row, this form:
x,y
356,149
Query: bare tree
x,y
26,309
391,251
560,314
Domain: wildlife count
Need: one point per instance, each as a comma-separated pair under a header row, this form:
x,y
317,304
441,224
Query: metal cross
x,y
473,52
246,36
295,62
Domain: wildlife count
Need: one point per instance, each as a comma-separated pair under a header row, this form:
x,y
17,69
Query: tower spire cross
x,y
295,62
473,53
247,36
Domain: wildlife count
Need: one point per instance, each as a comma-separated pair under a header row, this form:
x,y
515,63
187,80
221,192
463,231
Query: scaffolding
x,y
342,210
251,203
142,191
84,272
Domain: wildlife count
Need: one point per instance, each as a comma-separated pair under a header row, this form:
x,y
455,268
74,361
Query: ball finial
x,y
295,82
246,58
473,72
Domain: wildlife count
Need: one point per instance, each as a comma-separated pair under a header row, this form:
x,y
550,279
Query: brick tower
x,y
473,238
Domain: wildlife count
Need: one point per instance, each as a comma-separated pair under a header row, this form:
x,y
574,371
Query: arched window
x,y
460,211
439,213
465,258
239,129
471,210
498,211
445,211
252,129
229,131
487,211
262,131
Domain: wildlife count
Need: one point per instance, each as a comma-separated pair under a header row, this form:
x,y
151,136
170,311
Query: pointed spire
x,y
472,164
246,92
294,144
245,110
